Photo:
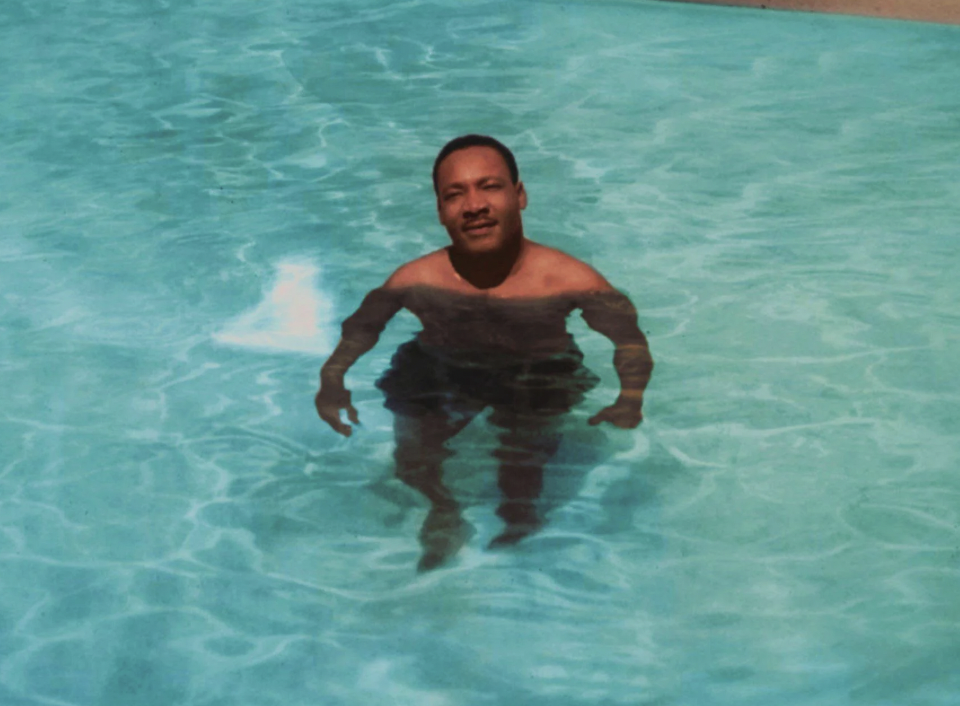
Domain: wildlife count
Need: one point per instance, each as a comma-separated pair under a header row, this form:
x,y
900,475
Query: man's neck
x,y
488,270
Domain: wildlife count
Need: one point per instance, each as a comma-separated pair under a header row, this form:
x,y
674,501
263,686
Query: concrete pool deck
x,y
943,11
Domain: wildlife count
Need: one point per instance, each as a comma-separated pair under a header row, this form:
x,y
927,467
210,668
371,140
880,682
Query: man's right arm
x,y
361,331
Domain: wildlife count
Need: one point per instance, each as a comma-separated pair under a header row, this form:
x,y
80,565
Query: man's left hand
x,y
624,413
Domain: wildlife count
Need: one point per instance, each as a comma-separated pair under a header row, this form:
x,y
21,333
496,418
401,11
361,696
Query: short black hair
x,y
465,141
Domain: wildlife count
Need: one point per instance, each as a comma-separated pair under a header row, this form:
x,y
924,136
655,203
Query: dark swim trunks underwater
x,y
419,382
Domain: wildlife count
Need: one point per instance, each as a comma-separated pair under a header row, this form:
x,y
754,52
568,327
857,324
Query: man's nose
x,y
475,203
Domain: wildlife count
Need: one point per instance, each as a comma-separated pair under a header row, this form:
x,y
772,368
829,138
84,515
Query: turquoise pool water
x,y
193,195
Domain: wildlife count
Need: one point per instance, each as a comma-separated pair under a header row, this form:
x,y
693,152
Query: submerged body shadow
x,y
513,357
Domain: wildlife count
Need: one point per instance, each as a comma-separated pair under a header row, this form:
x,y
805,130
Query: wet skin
x,y
491,300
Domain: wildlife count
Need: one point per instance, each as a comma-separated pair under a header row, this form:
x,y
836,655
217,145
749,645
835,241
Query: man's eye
x,y
490,187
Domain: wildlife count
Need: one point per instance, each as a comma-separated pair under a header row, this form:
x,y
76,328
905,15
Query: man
x,y
493,306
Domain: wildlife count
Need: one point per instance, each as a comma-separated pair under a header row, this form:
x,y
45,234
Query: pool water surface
x,y
195,195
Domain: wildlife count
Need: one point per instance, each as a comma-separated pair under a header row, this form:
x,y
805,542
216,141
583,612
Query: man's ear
x,y
521,195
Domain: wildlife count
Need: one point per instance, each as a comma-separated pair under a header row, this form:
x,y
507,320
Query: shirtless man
x,y
493,306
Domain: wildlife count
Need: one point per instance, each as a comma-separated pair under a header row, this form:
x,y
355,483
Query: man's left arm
x,y
612,314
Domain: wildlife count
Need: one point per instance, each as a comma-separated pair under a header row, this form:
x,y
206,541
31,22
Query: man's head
x,y
465,141
479,194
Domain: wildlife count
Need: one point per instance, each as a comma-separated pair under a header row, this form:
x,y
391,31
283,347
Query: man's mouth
x,y
479,227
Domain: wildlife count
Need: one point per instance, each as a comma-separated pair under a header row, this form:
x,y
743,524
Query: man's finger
x,y
342,428
597,418
352,414
336,424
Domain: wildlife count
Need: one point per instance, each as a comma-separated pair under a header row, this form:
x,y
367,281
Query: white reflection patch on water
x,y
294,314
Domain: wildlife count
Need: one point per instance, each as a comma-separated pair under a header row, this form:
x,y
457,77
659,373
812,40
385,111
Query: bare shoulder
x,y
562,272
427,270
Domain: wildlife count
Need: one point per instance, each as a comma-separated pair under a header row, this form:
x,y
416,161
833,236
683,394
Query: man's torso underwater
x,y
487,330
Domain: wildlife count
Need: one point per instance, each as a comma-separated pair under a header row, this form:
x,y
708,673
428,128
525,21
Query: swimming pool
x,y
194,194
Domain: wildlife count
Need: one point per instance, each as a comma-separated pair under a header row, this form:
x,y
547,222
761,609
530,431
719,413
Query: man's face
x,y
477,202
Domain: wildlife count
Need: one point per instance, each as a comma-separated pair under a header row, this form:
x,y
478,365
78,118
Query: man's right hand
x,y
329,402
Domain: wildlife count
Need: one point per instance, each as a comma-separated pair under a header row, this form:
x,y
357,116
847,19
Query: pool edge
x,y
938,11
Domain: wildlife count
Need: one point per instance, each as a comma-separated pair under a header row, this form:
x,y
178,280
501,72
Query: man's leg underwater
x,y
527,443
421,448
